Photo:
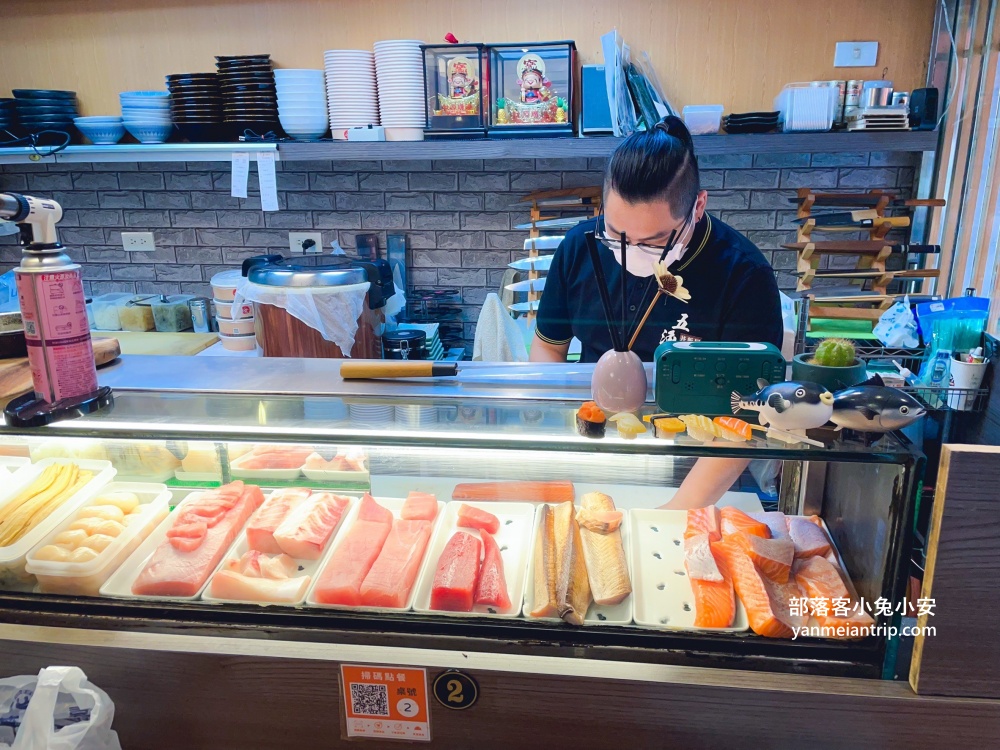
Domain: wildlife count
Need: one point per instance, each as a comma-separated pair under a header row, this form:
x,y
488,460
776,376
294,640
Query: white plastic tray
x,y
13,557
514,539
598,614
663,597
119,585
306,567
198,476
320,475
395,504
86,579
13,464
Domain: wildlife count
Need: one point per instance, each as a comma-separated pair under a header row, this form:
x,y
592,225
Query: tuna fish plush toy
x,y
788,406
873,407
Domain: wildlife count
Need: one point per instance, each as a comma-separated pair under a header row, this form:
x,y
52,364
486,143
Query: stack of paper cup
x,y
966,379
350,89
399,66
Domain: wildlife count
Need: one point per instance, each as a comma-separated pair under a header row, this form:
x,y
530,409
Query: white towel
x,y
498,338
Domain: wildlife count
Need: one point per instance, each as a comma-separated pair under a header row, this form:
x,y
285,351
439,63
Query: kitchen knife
x,y
549,242
373,369
848,221
528,285
541,263
862,247
865,199
524,306
566,223
910,273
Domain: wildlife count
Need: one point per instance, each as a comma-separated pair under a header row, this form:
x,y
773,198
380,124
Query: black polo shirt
x,y
734,296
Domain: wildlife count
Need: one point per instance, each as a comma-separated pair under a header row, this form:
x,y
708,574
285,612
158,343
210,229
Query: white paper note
x,y
268,181
241,173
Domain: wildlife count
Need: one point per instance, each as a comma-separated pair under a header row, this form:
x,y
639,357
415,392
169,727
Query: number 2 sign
x,y
455,690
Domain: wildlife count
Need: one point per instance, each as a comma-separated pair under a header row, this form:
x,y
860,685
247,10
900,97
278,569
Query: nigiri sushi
x,y
590,420
628,425
699,427
664,426
731,428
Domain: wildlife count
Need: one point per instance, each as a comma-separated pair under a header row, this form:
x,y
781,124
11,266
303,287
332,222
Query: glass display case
x,y
532,89
453,90
438,518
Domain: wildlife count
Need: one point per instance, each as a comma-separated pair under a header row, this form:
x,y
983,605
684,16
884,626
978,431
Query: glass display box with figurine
x,y
454,90
532,89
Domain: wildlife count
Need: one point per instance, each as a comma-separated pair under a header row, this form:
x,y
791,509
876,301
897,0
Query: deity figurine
x,y
537,104
532,81
463,89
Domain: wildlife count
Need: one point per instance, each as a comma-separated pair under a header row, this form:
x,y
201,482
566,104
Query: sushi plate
x,y
598,614
514,539
663,597
306,567
395,504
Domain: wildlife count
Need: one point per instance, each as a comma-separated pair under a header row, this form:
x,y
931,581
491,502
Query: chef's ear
x,y
699,205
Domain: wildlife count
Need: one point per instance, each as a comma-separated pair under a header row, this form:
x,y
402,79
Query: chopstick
x,y
656,297
624,256
602,287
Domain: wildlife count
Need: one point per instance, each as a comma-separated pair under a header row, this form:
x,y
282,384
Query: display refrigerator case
x,y
532,89
453,90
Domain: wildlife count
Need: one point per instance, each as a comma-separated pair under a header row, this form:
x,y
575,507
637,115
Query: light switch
x,y
855,55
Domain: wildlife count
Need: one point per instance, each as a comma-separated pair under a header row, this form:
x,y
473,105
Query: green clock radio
x,y
698,377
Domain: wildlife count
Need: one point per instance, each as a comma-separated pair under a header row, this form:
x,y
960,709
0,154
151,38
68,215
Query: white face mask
x,y
641,260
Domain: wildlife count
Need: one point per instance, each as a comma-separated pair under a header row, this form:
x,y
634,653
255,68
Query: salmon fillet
x,y
538,492
821,581
735,520
704,521
604,554
773,557
546,600
808,537
714,600
768,604
775,521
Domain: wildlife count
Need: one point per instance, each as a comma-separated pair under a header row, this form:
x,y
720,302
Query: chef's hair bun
x,y
675,128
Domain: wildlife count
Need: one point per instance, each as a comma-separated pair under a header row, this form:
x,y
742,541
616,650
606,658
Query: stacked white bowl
x,y
350,89
301,103
146,115
399,68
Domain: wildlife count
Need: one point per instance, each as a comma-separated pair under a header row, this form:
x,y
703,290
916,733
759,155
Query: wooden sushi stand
x,y
193,676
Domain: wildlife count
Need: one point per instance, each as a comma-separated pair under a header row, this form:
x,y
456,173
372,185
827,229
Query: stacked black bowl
x,y
44,110
8,120
249,97
196,106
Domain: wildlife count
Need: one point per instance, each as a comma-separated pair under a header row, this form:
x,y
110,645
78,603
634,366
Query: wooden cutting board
x,y
165,344
15,375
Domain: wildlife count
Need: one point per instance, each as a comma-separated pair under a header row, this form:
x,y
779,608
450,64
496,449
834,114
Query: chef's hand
x,y
708,480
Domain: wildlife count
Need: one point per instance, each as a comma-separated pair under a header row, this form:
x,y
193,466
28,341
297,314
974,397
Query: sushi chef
x,y
725,288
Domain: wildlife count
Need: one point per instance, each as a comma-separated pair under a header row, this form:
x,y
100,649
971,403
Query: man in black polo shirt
x,y
652,193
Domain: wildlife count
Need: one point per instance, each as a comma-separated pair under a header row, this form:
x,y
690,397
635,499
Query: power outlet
x,y
855,55
138,242
301,243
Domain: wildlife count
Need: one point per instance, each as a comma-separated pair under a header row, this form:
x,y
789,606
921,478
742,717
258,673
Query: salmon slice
x,y
776,522
491,589
773,557
822,581
474,518
419,506
204,528
268,517
369,510
538,492
735,520
808,537
604,554
714,600
457,574
546,599
390,580
308,527
340,580
768,604
704,521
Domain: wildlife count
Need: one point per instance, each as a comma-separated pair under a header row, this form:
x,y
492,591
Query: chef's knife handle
x,y
388,369
938,202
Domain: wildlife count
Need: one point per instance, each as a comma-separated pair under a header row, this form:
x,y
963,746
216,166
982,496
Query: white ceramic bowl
x,y
152,132
297,72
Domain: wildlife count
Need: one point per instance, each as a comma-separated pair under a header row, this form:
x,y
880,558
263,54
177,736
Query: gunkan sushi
x,y
590,420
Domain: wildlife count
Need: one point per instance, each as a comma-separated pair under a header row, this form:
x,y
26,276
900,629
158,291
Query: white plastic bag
x,y
57,710
898,327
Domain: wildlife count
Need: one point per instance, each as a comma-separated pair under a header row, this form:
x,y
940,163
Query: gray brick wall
x,y
458,215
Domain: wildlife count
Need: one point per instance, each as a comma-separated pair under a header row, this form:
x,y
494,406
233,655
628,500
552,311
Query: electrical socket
x,y
138,242
855,54
299,242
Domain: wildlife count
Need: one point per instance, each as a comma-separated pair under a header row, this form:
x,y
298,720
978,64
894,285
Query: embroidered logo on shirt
x,y
679,332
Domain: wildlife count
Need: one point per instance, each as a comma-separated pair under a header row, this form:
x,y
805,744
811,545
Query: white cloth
x,y
498,339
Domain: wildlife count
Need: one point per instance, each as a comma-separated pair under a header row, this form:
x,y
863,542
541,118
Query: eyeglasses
x,y
615,244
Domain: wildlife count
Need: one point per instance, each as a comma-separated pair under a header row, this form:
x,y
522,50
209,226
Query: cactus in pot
x,y
834,353
834,364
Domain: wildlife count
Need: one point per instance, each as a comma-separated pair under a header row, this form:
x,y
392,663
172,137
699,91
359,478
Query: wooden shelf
x,y
528,148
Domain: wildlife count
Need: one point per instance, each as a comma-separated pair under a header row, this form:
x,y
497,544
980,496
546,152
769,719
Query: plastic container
x,y
232,311
171,313
703,119
239,343
805,107
86,579
224,285
244,327
136,314
514,538
13,557
105,309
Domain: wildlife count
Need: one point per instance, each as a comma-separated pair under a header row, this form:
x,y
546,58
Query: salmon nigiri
x,y
735,520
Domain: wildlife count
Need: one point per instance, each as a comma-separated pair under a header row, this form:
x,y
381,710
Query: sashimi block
x,y
822,583
273,457
773,557
735,520
714,599
201,533
516,491
704,521
808,537
308,526
474,518
457,574
419,506
372,511
229,585
768,604
268,517
491,590
340,580
391,577
776,523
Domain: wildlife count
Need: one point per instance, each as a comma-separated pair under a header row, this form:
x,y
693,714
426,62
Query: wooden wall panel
x,y
735,52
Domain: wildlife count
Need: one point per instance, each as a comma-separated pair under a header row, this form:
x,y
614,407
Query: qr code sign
x,y
369,700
